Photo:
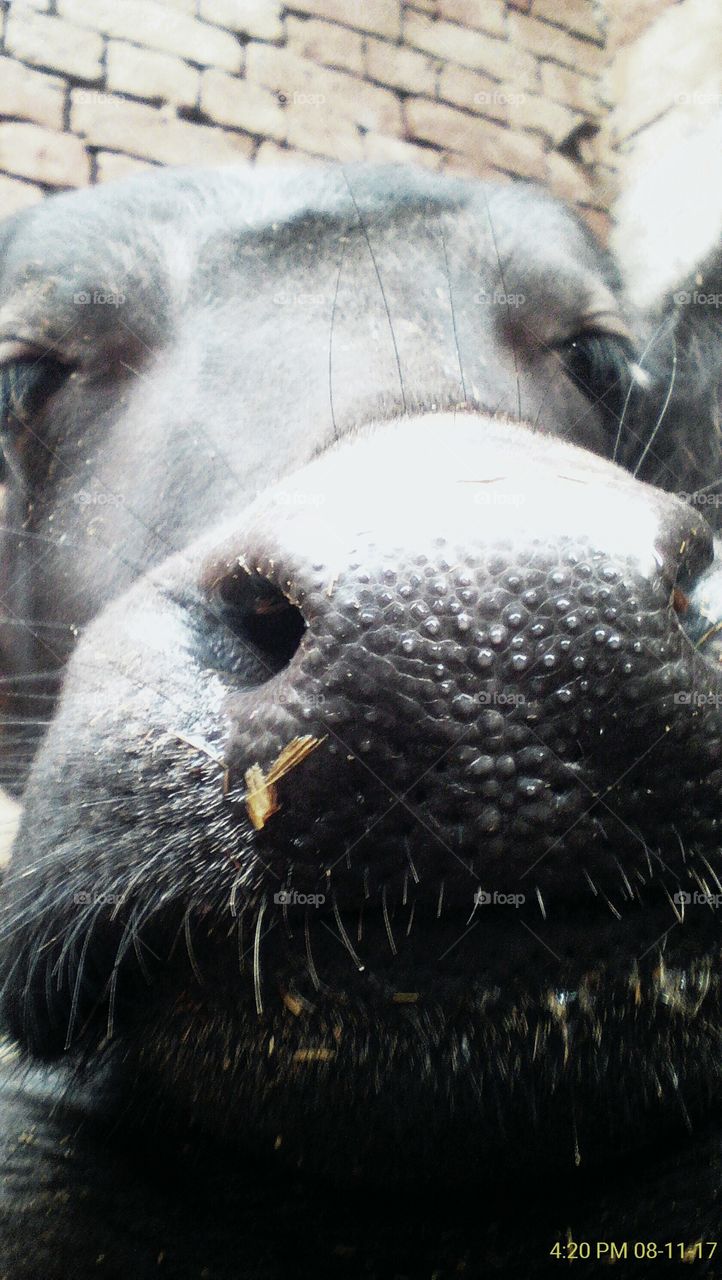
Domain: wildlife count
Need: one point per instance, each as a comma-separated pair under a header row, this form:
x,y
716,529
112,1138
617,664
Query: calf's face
x,y
369,705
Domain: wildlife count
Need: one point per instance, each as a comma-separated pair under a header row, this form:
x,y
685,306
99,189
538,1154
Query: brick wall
x,y
93,89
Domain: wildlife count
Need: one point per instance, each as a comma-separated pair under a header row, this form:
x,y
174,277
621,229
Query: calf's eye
x,y
602,366
26,384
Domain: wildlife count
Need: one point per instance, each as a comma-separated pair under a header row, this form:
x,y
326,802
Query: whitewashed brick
x,y
111,166
573,15
485,141
473,92
529,111
242,104
379,149
159,28
258,18
183,6
326,42
31,95
400,67
50,42
561,84
488,15
497,58
320,134
271,153
147,73
153,134
380,17
461,166
546,41
30,151
342,98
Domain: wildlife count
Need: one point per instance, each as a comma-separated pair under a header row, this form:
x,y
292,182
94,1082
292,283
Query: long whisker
x,y
665,406
506,303
453,315
369,246
640,362
330,338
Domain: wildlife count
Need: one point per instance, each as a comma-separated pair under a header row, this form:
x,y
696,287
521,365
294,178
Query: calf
x,y
360,674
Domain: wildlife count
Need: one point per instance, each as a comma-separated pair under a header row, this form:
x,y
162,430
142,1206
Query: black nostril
x,y
261,617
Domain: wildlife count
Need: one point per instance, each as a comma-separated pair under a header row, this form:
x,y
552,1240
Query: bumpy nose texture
x,y
475,671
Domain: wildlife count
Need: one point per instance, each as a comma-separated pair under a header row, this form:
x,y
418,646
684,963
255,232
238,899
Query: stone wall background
x,y
92,89
587,96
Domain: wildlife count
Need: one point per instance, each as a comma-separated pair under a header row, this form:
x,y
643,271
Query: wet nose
x,y
450,656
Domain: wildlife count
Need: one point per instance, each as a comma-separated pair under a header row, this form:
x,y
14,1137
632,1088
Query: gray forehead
x,y
170,234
